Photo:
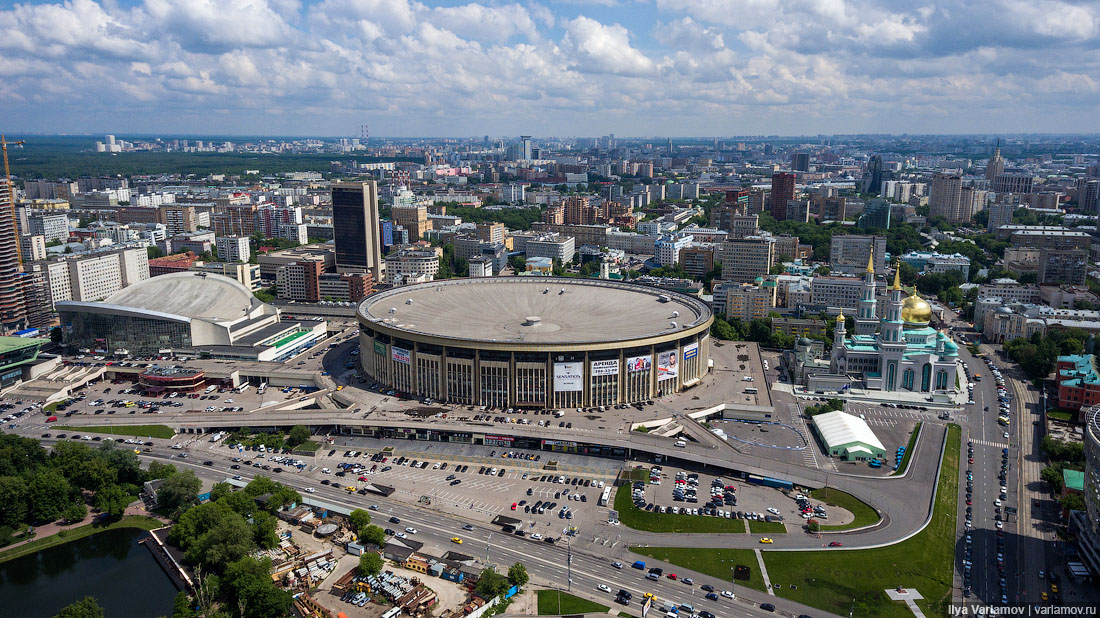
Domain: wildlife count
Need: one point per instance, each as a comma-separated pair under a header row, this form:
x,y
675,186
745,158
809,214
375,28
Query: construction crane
x,y
11,195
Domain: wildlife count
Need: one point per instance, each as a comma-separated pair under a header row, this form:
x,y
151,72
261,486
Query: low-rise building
x,y
1078,381
405,264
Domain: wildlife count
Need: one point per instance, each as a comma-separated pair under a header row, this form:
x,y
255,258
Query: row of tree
x,y
1038,355
759,330
39,486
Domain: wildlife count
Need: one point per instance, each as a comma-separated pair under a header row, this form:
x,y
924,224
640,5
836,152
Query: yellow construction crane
x,y
11,195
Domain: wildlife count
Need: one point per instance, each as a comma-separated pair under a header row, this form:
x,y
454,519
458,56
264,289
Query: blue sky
x,y
565,67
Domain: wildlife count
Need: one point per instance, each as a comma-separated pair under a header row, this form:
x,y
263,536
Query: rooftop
x,y
535,310
838,428
188,294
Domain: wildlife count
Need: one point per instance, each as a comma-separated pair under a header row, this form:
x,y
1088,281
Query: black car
x,y
395,520
208,462
389,532
236,466
768,607
705,614
707,587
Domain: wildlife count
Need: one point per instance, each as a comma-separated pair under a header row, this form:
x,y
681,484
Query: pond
x,y
111,566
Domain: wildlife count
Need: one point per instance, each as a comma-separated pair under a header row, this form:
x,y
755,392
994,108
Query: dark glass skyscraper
x,y
355,228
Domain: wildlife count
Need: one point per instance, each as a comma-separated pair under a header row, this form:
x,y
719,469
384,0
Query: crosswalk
x,y
989,443
809,457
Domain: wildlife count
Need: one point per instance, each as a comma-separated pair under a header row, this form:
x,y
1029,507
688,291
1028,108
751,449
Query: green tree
x,y
1072,502
265,530
153,252
178,492
370,563
299,434
359,519
373,534
13,501
47,495
158,470
182,606
112,501
517,575
75,511
491,584
247,581
84,608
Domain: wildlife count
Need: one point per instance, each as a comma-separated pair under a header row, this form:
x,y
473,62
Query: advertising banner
x,y
400,355
379,347
605,367
667,367
691,351
635,364
568,377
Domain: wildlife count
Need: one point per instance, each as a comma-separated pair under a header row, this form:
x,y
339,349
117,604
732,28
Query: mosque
x,y
899,352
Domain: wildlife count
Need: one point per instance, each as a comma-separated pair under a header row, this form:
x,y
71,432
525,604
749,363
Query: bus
x,y
750,391
263,387
244,387
606,496
210,389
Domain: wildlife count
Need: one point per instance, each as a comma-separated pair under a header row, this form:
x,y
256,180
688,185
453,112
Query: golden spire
x,y
897,276
840,316
871,262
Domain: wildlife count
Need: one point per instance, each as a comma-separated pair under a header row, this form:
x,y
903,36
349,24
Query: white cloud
x,y
604,48
498,66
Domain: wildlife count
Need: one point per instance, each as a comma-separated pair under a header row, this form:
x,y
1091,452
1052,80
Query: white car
x,y
310,490
536,537
1006,435
603,588
997,502
410,530
773,510
401,535
727,594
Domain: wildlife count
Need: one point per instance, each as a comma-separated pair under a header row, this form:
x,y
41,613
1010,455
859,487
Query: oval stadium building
x,y
534,342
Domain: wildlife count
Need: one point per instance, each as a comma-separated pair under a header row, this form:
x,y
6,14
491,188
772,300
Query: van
x,y
681,444
638,564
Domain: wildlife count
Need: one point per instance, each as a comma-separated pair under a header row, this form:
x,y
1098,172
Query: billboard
x,y
568,376
638,363
400,355
691,351
379,347
605,368
646,606
667,367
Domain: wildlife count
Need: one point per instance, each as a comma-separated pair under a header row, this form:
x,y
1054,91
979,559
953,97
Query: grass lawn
x,y
832,580
554,602
766,527
1062,415
714,562
908,451
140,431
864,514
71,534
308,447
640,519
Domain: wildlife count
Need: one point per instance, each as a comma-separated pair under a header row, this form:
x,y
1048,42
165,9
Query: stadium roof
x,y
840,428
191,295
535,310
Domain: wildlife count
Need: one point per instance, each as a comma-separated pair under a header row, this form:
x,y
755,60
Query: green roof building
x,y
15,353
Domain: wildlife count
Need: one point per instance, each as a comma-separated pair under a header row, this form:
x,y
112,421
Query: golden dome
x,y
916,310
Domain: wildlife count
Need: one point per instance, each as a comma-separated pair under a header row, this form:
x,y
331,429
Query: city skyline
x,y
639,68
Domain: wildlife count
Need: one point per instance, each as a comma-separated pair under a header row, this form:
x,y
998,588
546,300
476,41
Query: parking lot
x,y
670,488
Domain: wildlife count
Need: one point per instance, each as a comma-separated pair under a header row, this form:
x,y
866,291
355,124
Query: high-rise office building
x,y
946,197
13,312
874,175
1089,197
800,161
1013,183
996,164
782,192
355,227
745,259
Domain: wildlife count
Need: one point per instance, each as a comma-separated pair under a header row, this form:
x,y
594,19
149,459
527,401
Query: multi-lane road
x,y
591,562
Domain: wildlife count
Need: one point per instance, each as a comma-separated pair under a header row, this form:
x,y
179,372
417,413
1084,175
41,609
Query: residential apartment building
x,y
233,248
33,247
416,264
840,292
799,327
1013,183
93,277
270,262
246,274
299,281
346,287
745,259
932,262
553,246
1000,215
50,227
783,191
743,300
848,253
1063,266
582,234
667,248
697,259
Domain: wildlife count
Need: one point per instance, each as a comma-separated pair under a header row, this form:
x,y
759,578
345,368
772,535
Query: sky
x,y
550,68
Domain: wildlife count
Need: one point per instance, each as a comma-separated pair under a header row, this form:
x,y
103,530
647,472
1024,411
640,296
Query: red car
x,y
671,576
835,544
364,479
971,460
514,504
